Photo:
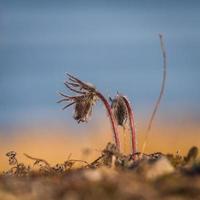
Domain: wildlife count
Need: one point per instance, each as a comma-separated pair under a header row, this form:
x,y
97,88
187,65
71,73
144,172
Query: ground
x,y
111,176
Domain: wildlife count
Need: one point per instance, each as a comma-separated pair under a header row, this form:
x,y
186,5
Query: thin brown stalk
x,y
161,91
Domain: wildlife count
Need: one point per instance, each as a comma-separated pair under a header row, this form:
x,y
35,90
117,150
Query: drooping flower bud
x,y
83,107
119,110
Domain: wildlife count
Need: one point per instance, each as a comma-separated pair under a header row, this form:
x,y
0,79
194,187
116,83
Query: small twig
x,y
95,161
161,91
74,160
38,160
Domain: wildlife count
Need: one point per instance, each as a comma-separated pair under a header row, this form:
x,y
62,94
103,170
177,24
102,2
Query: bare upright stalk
x,y
161,91
131,124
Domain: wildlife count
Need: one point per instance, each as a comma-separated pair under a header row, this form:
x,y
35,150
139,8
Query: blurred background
x,y
112,44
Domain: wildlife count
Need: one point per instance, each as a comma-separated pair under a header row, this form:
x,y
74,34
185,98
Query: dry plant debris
x,y
111,176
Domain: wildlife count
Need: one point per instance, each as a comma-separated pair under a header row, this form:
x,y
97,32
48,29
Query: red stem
x,y
112,120
131,124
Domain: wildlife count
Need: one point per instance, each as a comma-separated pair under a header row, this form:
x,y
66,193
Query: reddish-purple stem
x,y
132,125
112,120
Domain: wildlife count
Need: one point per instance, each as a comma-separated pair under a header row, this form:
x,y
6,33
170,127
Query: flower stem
x,y
112,120
131,124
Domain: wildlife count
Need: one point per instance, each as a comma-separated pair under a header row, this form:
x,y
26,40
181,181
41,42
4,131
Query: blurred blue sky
x,y
112,44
